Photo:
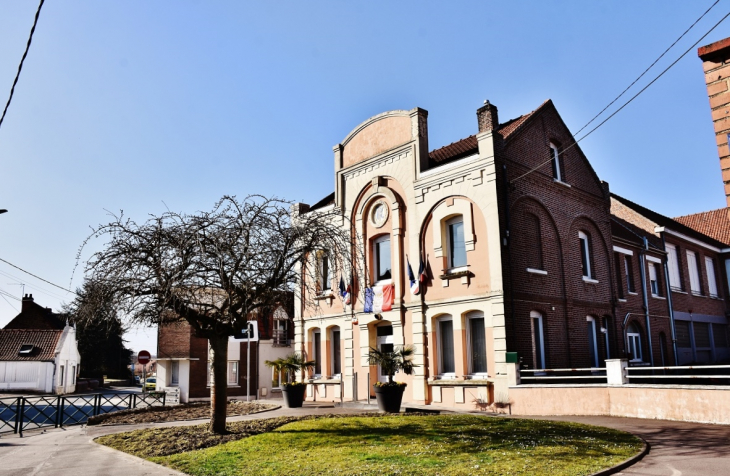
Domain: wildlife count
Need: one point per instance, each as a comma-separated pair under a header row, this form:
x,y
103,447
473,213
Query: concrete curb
x,y
626,463
141,461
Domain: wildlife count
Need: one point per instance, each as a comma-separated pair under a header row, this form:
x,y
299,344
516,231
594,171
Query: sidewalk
x,y
677,448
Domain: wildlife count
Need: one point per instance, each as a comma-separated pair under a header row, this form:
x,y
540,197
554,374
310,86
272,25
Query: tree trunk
x,y
219,385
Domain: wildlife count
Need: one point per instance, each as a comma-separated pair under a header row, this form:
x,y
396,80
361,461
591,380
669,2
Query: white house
x,y
39,360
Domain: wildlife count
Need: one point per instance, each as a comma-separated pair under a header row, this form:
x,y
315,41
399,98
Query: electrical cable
x,y
647,69
625,104
9,304
22,60
36,276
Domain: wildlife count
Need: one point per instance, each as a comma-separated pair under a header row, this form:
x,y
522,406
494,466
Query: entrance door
x,y
385,344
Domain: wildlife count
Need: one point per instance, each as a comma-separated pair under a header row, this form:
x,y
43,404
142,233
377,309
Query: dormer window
x,y
26,349
555,156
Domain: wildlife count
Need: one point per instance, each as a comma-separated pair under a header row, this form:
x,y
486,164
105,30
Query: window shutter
x,y
675,280
711,281
694,275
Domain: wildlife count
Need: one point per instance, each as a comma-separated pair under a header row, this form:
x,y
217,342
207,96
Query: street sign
x,y
143,357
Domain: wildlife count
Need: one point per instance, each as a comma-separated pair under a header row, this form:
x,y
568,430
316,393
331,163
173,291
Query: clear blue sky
x,y
126,105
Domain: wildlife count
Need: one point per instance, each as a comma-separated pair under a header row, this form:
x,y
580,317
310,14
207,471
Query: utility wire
x,y
20,66
626,103
647,69
9,304
36,276
5,293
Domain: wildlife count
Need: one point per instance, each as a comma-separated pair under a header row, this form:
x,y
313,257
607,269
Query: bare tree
x,y
215,269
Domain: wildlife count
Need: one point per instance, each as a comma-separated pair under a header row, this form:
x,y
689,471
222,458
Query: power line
x,y
647,69
20,66
539,166
36,276
9,304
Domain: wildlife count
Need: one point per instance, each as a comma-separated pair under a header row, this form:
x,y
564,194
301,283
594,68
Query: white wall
x,y
35,376
267,351
67,354
164,376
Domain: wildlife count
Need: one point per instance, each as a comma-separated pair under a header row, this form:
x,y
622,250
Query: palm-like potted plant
x,y
390,394
288,367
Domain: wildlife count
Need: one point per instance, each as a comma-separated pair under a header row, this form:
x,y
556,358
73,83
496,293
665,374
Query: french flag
x,y
415,285
422,276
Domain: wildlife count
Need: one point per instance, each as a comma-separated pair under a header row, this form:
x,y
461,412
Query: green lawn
x,y
418,445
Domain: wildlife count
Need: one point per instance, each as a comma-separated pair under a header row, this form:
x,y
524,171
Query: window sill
x,y
460,382
632,293
560,182
537,271
590,280
679,291
325,295
621,300
456,274
698,295
656,296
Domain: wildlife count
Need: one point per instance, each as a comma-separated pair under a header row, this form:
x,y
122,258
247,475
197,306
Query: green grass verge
x,y
417,445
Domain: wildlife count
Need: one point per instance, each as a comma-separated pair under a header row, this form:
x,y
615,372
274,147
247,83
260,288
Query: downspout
x,y
642,263
509,253
669,300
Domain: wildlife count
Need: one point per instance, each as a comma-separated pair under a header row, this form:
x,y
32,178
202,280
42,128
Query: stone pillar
x,y
507,375
616,371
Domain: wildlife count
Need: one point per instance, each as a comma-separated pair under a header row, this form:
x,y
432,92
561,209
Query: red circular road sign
x,y
143,357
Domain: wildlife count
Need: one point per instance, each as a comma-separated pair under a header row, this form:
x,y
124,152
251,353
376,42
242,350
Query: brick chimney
x,y
716,64
26,303
487,117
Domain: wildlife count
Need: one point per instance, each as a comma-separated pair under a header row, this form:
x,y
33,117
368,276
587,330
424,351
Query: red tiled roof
x,y
44,342
713,223
464,147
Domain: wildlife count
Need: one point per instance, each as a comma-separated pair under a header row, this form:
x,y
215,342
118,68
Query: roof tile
x,y
44,341
713,223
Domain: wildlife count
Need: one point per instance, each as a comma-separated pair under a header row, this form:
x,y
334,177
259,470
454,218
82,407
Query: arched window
x,y
592,341
633,338
317,352
476,344
538,340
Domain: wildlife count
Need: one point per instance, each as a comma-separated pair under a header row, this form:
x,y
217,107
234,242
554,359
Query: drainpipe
x,y
669,300
509,254
642,268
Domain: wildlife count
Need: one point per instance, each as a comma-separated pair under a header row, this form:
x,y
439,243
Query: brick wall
x,y
562,296
716,65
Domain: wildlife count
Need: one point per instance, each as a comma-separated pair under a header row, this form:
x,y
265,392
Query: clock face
x,y
380,214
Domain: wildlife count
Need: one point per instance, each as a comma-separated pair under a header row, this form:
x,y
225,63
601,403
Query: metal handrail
x,y
682,367
589,369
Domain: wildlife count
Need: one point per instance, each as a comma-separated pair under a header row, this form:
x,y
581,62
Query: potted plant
x,y
287,367
390,394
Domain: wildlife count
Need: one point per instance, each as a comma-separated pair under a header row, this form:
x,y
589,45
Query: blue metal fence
x,y
22,413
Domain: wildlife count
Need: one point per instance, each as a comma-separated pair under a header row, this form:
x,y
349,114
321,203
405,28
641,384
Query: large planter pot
x,y
389,397
293,395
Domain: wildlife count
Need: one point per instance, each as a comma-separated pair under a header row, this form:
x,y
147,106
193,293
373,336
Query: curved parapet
x,y
381,133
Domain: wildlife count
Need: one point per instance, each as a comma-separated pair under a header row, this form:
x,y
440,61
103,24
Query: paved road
x,y
677,448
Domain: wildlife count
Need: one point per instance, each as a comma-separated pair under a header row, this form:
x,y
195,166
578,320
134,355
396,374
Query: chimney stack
x,y
487,117
716,64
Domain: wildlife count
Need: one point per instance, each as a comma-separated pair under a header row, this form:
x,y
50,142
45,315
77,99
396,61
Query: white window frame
x,y
634,343
232,368
376,260
439,341
592,329
675,278
534,315
711,279
332,351
585,247
557,175
469,351
693,265
654,282
173,364
317,334
449,251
